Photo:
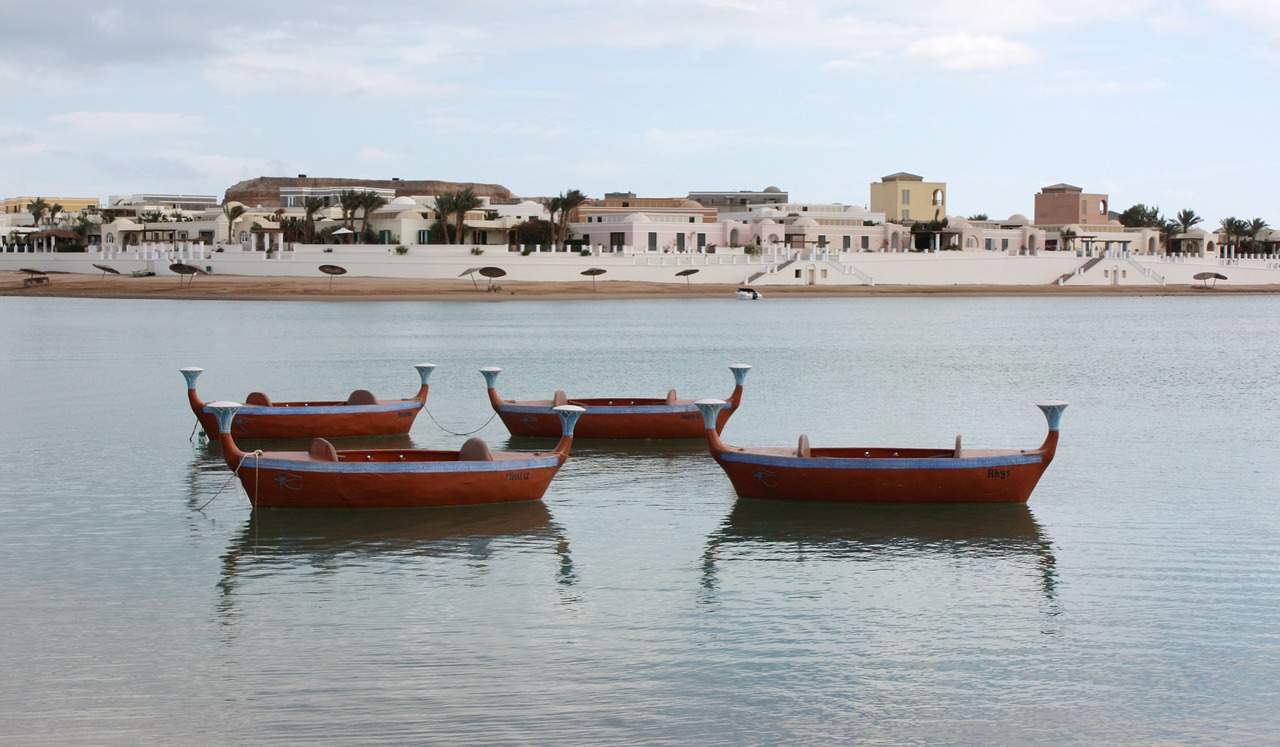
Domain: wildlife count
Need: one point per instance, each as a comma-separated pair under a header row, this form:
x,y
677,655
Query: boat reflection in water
x,y
330,541
773,530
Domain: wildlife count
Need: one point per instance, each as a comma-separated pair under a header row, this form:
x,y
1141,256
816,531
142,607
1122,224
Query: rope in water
x,y
455,433
257,455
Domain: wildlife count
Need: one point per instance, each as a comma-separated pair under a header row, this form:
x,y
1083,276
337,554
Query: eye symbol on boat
x,y
528,420
289,482
765,478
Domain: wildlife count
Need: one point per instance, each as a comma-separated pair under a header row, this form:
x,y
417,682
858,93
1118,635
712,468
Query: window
x,y
906,197
653,241
990,244
424,236
1004,244
586,239
680,242
848,243
866,242
937,198
906,215
702,241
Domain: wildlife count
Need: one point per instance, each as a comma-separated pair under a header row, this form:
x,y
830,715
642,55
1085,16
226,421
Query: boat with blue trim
x,y
360,414
325,477
883,475
667,417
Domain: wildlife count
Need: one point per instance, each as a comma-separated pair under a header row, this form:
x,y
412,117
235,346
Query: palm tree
x,y
569,201
311,205
350,201
464,200
37,207
446,206
370,202
233,213
1188,219
1256,226
1168,230
55,212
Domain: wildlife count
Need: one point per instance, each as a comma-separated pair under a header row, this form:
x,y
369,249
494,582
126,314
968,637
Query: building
x,y
273,191
739,201
18,206
1061,204
904,197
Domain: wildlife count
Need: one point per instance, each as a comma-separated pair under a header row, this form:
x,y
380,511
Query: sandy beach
x,y
243,288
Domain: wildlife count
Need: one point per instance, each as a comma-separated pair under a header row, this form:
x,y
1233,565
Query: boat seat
x,y
671,397
957,454
559,398
475,450
258,399
362,397
322,451
802,448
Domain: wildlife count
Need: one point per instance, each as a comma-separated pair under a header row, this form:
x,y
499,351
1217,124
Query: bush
x,y
477,251
402,250
585,252
527,251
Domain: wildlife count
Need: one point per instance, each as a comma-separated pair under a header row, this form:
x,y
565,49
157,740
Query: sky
x,y
1170,104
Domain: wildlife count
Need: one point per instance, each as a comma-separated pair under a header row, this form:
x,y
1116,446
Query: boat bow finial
x,y
1052,413
490,376
569,415
424,371
191,374
225,412
710,410
739,373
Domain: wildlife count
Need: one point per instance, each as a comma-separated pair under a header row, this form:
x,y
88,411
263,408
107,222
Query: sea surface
x,y
1134,600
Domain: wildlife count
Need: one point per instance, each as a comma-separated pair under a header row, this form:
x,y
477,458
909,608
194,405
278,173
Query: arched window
x,y
937,198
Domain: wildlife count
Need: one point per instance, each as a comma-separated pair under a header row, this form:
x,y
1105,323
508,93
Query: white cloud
x,y
965,52
117,124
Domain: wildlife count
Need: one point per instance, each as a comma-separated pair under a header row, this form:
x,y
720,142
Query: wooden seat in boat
x,y
258,399
802,448
475,450
322,451
671,397
559,398
957,454
362,397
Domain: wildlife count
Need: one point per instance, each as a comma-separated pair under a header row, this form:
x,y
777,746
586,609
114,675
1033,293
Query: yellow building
x,y
907,197
70,205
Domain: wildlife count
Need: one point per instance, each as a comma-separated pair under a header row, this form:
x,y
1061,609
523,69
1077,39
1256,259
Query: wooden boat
x,y
361,414
881,475
324,477
612,417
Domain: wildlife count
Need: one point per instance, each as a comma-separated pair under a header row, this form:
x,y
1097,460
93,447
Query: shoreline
x,y
245,288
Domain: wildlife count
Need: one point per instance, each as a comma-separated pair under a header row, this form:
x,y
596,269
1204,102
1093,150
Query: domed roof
x,y
408,215
856,210
772,189
233,203
1114,223
691,204
1017,217
1072,227
403,200
768,222
806,222
637,218
958,221
124,224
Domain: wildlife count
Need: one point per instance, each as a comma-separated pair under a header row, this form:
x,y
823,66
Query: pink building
x,y
1063,204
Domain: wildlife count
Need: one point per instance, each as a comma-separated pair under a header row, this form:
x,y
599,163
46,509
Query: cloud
x,y
965,52
117,124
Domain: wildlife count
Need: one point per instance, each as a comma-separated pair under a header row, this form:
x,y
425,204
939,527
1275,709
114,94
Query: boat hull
x,y
609,421
273,482
996,478
333,420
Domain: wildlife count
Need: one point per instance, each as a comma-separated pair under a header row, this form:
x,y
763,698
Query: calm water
x,y
1136,599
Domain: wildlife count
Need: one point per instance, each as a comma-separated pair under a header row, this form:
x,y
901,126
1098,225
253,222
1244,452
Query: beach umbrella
x,y
686,274
332,270
1207,276
491,273
343,232
106,269
181,268
472,272
592,272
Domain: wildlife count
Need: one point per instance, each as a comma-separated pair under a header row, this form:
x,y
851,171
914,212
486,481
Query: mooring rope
x,y
194,428
257,456
455,433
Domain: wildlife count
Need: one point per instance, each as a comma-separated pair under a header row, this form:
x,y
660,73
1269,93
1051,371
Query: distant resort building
x,y
908,197
730,202
1074,220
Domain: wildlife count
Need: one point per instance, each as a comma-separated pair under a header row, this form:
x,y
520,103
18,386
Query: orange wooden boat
x,y
361,414
612,417
324,477
880,475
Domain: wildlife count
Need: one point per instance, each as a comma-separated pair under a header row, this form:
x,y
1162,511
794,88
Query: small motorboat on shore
x,y
361,414
748,294
325,477
883,475
612,417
